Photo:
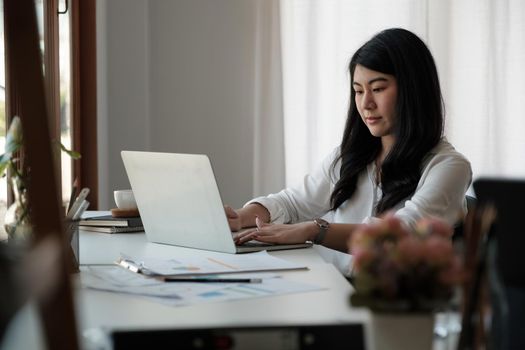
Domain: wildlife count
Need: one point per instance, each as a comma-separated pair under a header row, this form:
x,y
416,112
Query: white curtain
x,y
480,54
483,83
268,142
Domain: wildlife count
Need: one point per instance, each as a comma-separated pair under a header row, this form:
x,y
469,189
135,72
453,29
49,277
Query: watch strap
x,y
323,227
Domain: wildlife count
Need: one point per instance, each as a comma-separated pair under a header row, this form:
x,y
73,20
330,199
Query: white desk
x,y
118,311
127,313
124,315
121,312
131,316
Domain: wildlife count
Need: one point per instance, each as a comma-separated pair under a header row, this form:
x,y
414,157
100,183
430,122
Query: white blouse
x,y
440,193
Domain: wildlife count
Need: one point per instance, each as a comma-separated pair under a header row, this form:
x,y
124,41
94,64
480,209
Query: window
x,y
62,29
64,59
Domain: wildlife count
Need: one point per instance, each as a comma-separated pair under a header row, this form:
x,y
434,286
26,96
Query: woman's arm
x,y
441,191
305,200
336,237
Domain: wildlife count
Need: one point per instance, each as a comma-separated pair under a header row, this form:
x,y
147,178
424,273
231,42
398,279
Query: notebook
x,y
508,196
180,204
112,229
110,221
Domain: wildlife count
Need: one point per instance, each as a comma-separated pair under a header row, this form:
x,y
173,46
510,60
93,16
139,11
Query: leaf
x,y
3,166
14,139
5,158
71,153
12,144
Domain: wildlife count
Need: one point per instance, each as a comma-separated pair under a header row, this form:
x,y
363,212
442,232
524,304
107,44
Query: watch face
x,y
322,223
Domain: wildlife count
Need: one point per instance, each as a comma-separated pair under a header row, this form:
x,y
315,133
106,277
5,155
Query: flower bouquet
x,y
401,270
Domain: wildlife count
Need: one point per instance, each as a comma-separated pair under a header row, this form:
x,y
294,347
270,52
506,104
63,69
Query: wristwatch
x,y
323,227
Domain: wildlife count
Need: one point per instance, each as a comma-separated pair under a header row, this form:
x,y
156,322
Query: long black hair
x,y
419,118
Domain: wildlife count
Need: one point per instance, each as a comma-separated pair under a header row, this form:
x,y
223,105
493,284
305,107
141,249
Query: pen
x,y
213,280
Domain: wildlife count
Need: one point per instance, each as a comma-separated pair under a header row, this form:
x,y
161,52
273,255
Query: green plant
x,y
2,117
10,162
13,143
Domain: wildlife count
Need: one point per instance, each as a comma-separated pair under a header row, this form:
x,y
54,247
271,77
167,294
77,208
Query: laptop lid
x,y
180,204
178,200
508,196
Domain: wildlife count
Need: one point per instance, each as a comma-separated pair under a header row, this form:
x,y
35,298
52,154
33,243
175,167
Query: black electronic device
x,y
334,337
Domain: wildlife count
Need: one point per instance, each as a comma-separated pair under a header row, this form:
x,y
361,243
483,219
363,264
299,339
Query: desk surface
x,y
123,312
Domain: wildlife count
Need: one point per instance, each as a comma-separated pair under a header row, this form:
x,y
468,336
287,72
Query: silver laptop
x,y
180,204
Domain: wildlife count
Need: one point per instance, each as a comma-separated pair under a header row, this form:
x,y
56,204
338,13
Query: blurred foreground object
x,y
400,270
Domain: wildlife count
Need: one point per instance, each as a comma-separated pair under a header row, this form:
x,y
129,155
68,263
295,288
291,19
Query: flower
x,y
396,268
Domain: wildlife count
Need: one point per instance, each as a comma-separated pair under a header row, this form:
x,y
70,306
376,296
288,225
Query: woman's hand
x,y
279,233
234,219
245,217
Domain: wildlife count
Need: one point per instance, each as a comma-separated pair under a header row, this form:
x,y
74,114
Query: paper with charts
x,y
212,263
119,280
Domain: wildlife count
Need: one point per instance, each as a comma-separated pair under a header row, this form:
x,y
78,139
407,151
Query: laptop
x,y
180,204
508,197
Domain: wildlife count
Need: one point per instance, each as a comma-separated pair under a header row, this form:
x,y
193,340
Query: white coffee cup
x,y
124,199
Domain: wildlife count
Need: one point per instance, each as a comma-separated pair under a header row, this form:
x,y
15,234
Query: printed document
x,y
117,279
211,263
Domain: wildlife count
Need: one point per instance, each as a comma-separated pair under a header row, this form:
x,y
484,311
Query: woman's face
x,y
375,98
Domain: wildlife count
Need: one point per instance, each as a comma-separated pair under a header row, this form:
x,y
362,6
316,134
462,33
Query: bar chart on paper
x,y
119,280
212,263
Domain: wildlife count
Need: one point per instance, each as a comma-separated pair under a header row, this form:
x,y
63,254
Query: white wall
x,y
177,76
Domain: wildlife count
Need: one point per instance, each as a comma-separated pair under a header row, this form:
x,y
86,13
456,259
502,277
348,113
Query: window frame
x,y
84,95
83,91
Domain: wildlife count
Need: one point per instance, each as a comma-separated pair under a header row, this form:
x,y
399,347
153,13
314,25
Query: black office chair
x,y
499,261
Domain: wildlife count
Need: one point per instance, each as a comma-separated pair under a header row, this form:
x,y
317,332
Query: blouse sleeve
x,y
306,200
441,190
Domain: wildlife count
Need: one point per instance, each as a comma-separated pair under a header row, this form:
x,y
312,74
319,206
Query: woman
x,y
392,158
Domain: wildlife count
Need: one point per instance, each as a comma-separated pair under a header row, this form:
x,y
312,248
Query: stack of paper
x,y
116,279
148,280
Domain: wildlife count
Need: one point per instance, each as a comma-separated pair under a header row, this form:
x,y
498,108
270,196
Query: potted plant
x,y
403,275
16,221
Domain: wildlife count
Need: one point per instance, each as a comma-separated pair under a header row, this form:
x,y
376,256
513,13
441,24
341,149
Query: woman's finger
x,y
244,233
245,236
260,224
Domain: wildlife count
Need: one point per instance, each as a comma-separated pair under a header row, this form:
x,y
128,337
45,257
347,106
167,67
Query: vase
x,y
401,331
